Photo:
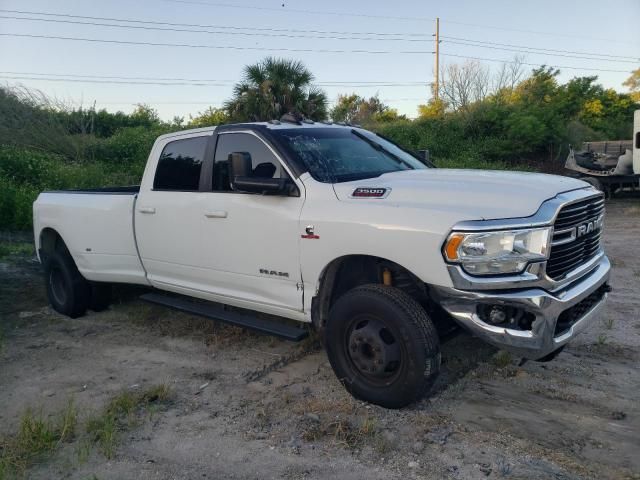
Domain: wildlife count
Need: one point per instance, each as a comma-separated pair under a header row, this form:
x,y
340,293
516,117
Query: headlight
x,y
493,253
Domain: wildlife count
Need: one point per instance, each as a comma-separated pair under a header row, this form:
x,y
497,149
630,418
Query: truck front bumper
x,y
555,318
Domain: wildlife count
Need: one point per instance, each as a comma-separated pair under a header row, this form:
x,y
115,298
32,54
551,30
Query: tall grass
x,y
45,146
24,173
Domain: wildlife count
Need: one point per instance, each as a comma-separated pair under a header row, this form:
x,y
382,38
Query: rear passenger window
x,y
180,164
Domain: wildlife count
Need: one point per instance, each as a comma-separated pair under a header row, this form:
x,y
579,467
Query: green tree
x,y
358,110
633,84
273,87
433,109
145,115
211,116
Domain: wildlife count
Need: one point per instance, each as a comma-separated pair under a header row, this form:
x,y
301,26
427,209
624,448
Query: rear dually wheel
x,y
69,293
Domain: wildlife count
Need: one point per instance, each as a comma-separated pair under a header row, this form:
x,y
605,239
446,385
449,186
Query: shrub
x,y
25,173
129,146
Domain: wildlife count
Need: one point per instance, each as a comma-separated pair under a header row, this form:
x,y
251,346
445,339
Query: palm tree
x,y
273,87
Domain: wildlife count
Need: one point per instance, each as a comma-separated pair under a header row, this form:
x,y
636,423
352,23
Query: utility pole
x,y
436,92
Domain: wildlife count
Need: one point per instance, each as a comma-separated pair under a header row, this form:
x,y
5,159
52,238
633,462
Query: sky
x,y
364,47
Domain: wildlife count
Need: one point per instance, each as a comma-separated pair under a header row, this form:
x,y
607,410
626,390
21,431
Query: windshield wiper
x,y
380,148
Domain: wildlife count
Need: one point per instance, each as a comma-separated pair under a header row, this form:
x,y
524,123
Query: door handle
x,y
149,210
216,214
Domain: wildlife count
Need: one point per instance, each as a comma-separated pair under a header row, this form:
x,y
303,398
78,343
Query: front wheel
x,y
382,345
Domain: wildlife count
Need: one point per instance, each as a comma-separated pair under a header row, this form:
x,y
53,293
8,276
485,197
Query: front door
x,y
250,242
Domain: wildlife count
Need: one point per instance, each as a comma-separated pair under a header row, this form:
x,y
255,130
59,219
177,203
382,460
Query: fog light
x,y
506,316
497,315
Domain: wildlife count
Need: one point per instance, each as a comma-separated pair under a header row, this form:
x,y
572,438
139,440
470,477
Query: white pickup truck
x,y
338,227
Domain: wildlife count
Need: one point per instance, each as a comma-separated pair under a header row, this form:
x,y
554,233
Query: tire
x,y
382,346
69,293
100,296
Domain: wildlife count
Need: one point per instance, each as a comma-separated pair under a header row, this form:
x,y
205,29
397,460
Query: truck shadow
x,y
460,355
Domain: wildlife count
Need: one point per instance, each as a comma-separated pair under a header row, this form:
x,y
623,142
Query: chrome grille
x,y
569,249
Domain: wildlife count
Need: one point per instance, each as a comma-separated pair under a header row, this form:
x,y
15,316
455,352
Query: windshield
x,y
335,155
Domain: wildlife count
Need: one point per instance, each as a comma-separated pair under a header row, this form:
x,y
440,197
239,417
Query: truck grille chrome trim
x,y
574,251
576,236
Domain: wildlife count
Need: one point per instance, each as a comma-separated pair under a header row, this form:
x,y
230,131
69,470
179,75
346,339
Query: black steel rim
x,y
374,349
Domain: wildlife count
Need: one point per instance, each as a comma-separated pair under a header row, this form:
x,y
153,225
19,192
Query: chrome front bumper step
x,y
542,339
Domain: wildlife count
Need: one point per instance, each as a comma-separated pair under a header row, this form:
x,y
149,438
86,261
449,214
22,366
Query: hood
x,y
471,194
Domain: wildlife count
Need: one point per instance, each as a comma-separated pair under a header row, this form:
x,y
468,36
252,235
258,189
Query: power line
x,y
389,17
112,81
116,77
189,81
542,49
188,30
227,27
294,10
151,102
207,102
298,33
217,47
454,42
535,32
533,64
297,50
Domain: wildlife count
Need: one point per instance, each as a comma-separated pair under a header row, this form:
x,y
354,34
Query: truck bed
x,y
98,229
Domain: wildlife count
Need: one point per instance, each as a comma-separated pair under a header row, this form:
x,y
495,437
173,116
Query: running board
x,y
217,312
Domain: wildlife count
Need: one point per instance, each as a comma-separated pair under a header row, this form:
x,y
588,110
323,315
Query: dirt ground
x,y
245,406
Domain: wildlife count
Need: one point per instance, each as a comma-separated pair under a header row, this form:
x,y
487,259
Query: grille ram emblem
x,y
589,227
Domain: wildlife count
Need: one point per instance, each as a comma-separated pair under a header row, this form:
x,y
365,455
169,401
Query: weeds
x,y
502,359
123,412
342,430
8,249
608,323
37,436
602,339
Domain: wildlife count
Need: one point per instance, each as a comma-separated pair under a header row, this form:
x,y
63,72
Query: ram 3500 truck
x,y
336,226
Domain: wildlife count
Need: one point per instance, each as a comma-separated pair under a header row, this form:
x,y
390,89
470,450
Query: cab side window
x,y
264,163
180,164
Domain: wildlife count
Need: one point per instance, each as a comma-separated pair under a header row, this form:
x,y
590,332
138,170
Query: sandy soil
x,y
247,406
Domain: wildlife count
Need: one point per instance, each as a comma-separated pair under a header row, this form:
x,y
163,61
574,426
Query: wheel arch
x,y
49,241
349,271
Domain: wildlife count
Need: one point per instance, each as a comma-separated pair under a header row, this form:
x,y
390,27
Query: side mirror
x,y
242,179
281,186
239,165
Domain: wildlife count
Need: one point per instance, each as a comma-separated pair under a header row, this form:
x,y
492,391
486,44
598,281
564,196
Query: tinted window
x,y
263,162
343,154
179,165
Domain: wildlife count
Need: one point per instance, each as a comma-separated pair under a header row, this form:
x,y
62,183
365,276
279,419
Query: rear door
x,y
168,213
250,242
